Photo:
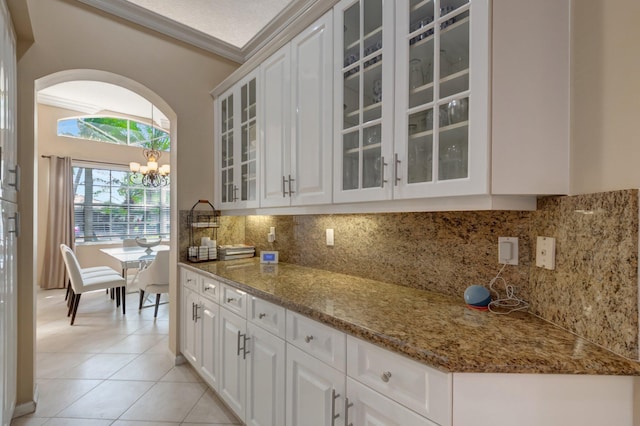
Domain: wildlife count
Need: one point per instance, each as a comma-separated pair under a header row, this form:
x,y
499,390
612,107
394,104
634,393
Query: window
x,y
108,206
115,130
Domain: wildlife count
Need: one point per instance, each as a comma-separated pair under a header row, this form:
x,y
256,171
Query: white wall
x,y
69,35
605,92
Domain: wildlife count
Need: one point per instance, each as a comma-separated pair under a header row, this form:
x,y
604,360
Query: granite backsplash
x,y
593,291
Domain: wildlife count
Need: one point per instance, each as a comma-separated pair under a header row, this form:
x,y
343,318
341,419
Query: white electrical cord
x,y
509,303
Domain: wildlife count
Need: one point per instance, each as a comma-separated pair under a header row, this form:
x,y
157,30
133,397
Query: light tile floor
x,y
110,369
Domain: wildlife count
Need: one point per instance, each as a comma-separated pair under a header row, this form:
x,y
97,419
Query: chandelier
x,y
150,175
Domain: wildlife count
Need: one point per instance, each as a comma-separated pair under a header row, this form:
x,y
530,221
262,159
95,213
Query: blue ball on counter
x,y
477,295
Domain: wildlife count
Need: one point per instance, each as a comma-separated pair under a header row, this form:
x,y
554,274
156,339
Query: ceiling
x,y
234,29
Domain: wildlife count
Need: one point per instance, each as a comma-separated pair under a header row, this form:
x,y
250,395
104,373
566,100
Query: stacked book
x,y
235,251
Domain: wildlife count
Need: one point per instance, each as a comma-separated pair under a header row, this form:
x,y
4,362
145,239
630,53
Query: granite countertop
x,y
432,328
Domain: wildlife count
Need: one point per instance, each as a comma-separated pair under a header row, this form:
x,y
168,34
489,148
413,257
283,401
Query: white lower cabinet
x,y
189,325
416,386
233,352
265,378
200,327
315,391
366,407
208,320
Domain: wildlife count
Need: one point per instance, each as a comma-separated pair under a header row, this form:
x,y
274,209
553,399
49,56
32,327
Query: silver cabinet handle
x,y
193,311
386,376
308,339
334,396
261,315
209,287
243,348
382,166
196,315
347,405
291,192
16,224
395,169
284,192
16,182
235,193
231,299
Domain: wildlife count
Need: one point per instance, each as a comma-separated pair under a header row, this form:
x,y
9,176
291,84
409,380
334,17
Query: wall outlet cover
x,y
508,250
546,252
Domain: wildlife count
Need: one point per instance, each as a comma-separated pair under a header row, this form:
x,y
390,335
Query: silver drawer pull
x,y
209,287
386,376
308,339
261,315
231,299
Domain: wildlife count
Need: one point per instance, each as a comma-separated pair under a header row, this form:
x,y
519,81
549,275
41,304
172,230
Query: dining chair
x,y
155,279
90,271
134,264
89,281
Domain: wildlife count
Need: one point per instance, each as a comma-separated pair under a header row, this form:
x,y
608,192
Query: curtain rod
x,y
92,161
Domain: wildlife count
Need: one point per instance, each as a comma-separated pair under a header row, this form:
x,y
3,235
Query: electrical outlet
x,y
271,236
508,250
546,253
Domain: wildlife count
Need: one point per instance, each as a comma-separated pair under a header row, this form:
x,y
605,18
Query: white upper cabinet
x,y
431,104
275,142
311,113
442,98
363,100
297,126
236,118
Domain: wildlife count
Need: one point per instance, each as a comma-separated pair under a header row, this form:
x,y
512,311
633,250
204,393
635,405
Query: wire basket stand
x,y
204,221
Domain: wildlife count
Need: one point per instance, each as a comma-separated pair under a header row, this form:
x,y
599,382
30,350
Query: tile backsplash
x,y
593,291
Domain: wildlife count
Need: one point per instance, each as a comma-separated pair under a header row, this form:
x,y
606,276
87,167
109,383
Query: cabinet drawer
x,y
210,289
234,300
412,384
267,315
190,279
318,340
370,407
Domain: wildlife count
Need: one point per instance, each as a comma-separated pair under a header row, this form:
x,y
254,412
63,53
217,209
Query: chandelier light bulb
x,y
152,166
144,170
134,167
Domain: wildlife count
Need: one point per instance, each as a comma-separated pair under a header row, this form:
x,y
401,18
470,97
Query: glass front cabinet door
x,y
363,93
442,83
237,144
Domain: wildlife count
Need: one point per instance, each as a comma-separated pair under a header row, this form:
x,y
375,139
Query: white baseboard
x,y
27,407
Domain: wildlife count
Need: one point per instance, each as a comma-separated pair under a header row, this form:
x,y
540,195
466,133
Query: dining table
x,y
133,257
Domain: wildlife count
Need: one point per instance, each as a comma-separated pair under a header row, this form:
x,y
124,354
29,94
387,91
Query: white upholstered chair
x,y
155,279
89,279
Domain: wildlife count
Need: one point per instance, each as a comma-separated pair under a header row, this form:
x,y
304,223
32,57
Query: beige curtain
x,y
59,223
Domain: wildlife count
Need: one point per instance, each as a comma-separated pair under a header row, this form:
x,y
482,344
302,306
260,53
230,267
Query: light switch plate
x,y
546,252
329,236
508,250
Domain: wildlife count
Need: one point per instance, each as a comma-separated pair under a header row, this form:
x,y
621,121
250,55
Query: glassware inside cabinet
x,y
350,160
420,147
372,167
453,147
421,47
227,151
454,53
248,142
